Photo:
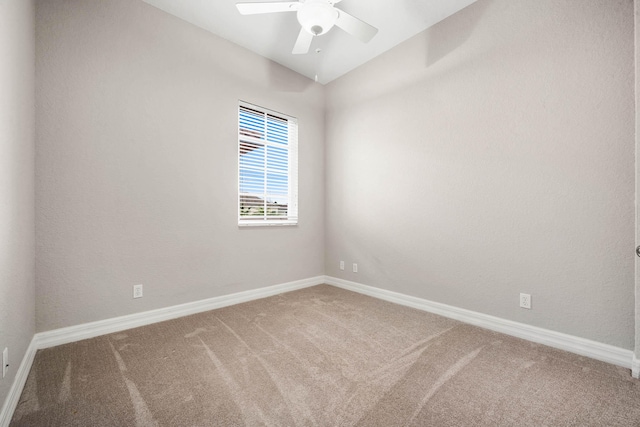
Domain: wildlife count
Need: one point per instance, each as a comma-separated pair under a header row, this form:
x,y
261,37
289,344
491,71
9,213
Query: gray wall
x,y
136,164
636,6
17,318
491,155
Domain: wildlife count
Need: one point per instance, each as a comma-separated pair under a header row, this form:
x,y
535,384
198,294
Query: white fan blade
x,y
355,27
303,42
267,7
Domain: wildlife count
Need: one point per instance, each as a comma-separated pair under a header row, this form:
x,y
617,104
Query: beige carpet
x,y
321,356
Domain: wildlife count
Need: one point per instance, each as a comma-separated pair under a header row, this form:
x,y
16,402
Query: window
x,y
267,167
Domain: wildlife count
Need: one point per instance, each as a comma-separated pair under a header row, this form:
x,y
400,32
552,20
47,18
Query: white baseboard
x,y
584,347
581,346
11,402
117,324
90,330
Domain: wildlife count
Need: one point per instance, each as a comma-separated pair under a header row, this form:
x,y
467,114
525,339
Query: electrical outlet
x,y
355,267
5,361
137,291
525,301
341,265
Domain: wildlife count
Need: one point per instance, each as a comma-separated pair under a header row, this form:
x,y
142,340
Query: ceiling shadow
x,y
283,79
443,39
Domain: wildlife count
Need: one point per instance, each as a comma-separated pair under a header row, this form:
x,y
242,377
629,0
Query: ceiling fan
x,y
316,17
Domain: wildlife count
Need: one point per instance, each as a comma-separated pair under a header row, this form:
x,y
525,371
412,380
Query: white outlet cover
x,y
341,265
137,291
355,267
525,301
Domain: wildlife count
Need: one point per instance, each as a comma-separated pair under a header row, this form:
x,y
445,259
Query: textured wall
x,y
490,155
17,300
636,5
136,159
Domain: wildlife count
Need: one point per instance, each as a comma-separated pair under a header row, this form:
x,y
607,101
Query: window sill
x,y
267,224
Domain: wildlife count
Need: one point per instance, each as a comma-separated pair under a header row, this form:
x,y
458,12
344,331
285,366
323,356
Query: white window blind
x,y
267,167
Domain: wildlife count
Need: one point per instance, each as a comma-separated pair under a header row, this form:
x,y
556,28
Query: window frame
x,y
266,220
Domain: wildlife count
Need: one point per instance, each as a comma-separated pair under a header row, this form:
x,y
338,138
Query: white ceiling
x,y
273,35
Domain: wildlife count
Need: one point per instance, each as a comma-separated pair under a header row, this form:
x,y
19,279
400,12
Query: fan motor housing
x,y
317,16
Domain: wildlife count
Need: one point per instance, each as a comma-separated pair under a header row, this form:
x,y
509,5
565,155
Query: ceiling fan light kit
x,y
316,17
